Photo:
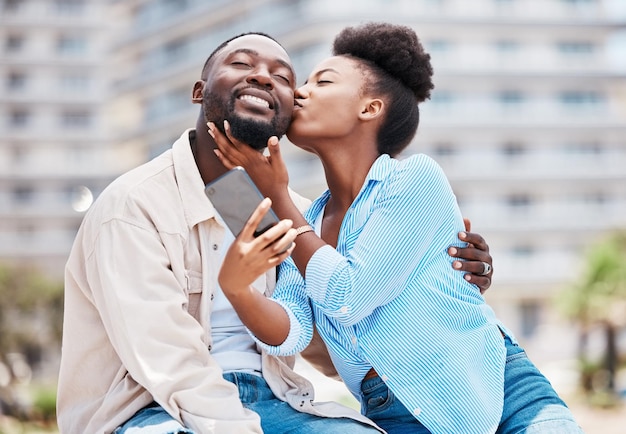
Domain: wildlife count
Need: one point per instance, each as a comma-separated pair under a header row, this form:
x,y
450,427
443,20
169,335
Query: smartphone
x,y
235,197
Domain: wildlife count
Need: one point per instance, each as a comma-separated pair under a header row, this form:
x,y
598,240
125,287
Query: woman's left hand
x,y
269,173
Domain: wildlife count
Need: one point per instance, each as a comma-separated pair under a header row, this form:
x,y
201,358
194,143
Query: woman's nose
x,y
301,92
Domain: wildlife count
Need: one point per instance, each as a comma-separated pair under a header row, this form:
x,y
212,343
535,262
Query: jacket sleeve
x,y
142,307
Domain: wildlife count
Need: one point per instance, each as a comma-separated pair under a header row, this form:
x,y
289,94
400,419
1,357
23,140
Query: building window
x,y
16,81
522,251
438,46
584,149
71,7
23,194
441,101
507,46
19,118
71,45
518,201
444,149
175,5
510,98
75,82
26,230
582,101
576,48
504,5
596,198
166,104
76,119
175,50
12,5
530,315
14,43
513,149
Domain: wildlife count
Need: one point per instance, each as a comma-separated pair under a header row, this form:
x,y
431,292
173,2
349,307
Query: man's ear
x,y
196,93
373,109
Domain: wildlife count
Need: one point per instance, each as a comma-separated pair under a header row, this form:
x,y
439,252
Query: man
x,y
149,339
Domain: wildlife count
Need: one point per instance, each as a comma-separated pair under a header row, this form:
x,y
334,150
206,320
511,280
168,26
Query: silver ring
x,y
486,269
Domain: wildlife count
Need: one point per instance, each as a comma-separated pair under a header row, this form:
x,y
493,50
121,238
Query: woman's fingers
x,y
476,240
225,161
247,233
282,247
278,238
275,156
225,147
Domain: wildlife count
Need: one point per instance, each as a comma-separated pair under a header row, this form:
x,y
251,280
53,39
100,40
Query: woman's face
x,y
327,106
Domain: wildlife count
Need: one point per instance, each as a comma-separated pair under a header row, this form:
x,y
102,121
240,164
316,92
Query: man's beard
x,y
253,132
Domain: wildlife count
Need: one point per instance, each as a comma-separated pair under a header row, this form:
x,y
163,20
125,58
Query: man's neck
x,y
202,146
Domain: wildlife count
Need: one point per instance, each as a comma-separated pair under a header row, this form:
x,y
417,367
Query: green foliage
x,y
31,315
44,404
598,299
25,288
26,295
601,289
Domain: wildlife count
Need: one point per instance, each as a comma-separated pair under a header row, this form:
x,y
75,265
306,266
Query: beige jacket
x,y
138,296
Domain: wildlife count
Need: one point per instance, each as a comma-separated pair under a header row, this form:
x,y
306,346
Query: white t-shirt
x,y
233,348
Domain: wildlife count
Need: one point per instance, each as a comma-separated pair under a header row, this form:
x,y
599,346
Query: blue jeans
x,y
152,419
531,405
276,416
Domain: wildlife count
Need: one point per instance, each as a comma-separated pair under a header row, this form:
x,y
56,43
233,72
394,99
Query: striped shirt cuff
x,y
290,346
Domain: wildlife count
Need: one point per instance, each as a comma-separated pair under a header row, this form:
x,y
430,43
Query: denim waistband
x,y
252,388
370,384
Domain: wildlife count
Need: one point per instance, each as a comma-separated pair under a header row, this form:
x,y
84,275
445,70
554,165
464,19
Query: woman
x,y
411,338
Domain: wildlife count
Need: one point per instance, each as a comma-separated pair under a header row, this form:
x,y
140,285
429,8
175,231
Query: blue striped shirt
x,y
387,297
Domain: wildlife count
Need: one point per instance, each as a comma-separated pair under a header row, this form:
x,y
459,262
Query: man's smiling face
x,y
250,82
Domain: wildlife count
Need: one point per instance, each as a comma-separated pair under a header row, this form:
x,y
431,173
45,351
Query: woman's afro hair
x,y
395,49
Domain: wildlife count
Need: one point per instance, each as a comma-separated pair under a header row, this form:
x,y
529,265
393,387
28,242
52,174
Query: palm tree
x,y
599,299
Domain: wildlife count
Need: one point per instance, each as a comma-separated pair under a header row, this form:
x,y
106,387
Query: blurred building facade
x,y
528,119
54,144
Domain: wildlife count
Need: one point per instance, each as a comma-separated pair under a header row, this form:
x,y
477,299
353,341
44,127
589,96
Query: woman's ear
x,y
373,109
196,93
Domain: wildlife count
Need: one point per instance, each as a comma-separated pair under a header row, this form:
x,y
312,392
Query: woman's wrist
x,y
304,229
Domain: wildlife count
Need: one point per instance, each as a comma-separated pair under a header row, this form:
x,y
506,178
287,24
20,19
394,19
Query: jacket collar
x,y
196,205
